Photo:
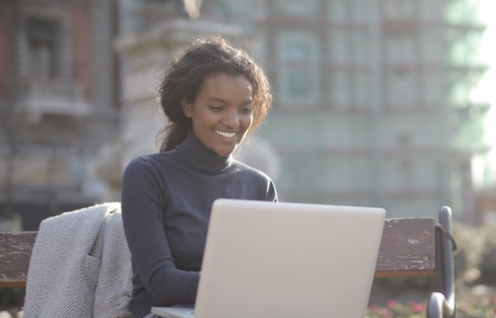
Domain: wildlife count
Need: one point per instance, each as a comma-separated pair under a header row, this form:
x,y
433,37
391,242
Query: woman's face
x,y
222,112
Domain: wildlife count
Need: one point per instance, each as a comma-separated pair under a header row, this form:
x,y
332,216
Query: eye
x,y
216,108
246,110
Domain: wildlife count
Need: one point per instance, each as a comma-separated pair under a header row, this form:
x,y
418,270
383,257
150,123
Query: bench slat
x,y
407,248
15,251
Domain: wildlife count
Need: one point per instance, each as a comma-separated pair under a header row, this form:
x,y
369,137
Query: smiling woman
x,y
221,113
184,80
214,95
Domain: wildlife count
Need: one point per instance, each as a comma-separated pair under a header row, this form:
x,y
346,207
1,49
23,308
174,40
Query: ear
x,y
187,108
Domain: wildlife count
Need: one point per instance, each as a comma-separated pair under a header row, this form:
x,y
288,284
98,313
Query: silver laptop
x,y
285,260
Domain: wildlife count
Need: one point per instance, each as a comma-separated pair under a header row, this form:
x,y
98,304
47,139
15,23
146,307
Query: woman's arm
x,y
143,199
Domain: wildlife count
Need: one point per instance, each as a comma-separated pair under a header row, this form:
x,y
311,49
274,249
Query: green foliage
x,y
11,298
467,257
475,259
487,262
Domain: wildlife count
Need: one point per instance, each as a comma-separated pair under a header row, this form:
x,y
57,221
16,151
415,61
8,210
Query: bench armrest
x,y
442,305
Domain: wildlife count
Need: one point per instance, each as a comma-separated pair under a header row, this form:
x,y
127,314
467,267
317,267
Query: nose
x,y
231,119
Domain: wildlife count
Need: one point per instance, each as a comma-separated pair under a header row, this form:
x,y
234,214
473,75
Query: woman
x,y
214,95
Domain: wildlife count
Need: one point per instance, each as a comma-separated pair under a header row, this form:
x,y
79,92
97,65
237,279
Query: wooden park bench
x,y
410,247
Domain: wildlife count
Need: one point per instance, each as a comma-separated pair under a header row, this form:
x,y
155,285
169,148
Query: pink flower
x,y
417,308
392,304
463,309
373,307
386,313
492,300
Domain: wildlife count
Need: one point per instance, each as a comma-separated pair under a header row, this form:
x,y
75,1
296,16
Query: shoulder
x,y
260,179
148,167
250,171
149,161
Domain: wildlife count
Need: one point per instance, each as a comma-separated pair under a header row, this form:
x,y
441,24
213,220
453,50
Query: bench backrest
x,y
407,249
15,252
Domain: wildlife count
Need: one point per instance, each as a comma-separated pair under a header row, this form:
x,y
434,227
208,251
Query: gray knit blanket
x,y
80,266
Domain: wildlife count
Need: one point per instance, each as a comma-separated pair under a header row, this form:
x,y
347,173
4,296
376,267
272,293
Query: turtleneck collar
x,y
196,154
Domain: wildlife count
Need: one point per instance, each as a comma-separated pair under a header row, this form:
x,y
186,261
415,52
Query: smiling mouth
x,y
225,134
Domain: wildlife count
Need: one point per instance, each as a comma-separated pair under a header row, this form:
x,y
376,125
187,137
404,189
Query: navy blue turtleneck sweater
x,y
166,202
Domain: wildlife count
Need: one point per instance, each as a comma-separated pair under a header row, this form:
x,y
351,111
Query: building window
x,y
306,8
43,44
400,8
227,7
361,90
298,84
359,42
340,88
298,46
400,50
298,79
349,46
348,11
339,51
338,10
404,140
431,45
406,175
402,90
433,92
295,52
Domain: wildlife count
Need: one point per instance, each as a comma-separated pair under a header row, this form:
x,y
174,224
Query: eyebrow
x,y
220,100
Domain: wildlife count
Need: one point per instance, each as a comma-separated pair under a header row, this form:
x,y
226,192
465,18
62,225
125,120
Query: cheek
x,y
204,120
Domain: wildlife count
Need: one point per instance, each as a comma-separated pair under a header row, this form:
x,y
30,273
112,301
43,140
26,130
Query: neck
x,y
199,157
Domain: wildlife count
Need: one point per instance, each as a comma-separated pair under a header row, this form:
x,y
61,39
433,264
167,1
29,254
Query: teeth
x,y
225,134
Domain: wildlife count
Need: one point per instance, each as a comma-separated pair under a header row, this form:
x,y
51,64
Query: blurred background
x,y
387,103
377,102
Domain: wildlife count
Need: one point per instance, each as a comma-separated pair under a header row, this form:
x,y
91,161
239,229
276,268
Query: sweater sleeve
x,y
142,213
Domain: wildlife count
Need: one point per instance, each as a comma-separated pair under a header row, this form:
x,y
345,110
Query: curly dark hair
x,y
205,57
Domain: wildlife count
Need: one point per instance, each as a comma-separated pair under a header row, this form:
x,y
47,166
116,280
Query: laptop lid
x,y
282,260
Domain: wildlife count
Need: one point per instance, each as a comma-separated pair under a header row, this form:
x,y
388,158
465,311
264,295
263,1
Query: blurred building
x,y
58,103
372,99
